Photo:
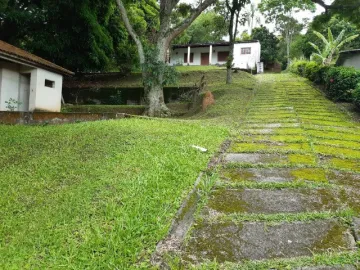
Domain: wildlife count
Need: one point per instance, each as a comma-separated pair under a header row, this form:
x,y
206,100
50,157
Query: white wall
x,y
240,61
21,82
177,55
246,61
352,60
45,98
9,84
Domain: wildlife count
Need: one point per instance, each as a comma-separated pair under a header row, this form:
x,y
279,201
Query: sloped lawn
x,y
95,195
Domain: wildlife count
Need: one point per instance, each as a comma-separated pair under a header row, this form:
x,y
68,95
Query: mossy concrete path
x,y
288,195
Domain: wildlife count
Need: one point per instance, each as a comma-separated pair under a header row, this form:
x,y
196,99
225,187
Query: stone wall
x,y
28,118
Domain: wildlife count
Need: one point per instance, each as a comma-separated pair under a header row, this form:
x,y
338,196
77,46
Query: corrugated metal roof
x,y
11,52
351,51
215,44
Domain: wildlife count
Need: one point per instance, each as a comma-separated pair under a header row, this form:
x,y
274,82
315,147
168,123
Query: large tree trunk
x,y
229,64
154,93
288,41
155,98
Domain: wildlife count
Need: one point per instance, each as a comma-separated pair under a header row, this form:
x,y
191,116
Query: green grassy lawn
x,y
96,195
198,68
100,195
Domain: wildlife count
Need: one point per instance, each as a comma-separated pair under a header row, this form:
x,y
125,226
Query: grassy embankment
x,y
100,195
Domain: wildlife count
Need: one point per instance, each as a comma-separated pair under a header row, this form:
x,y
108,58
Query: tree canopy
x,y
269,43
208,27
81,35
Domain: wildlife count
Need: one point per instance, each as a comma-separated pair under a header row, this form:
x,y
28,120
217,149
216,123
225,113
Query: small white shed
x,y
29,82
350,58
246,54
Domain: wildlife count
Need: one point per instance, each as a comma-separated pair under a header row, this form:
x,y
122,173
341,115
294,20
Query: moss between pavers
x,y
275,131
346,130
310,174
269,148
341,143
299,174
274,138
333,135
344,164
327,123
295,159
337,151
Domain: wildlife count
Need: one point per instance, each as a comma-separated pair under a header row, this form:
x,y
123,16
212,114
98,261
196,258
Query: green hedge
x,y
356,96
339,82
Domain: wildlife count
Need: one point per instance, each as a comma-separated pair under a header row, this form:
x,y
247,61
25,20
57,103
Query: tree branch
x,y
333,6
131,30
174,32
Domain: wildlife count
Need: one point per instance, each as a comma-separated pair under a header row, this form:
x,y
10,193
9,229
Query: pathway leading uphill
x,y
289,192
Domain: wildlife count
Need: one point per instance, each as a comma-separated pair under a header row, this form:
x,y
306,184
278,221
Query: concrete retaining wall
x,y
28,118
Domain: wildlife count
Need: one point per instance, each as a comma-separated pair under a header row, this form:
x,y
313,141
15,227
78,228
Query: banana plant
x,y
332,46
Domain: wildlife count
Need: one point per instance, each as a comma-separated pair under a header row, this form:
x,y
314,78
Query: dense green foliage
x,y
356,96
269,43
340,82
79,35
208,27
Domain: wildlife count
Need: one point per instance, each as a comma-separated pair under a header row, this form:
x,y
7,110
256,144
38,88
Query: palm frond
x,y
315,47
321,36
347,40
330,36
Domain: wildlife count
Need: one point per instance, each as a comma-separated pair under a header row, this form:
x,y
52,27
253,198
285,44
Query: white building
x,y
246,54
29,82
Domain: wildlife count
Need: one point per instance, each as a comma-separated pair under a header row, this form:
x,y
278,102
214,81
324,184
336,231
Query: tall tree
x,y
81,35
269,43
233,9
288,27
152,49
252,18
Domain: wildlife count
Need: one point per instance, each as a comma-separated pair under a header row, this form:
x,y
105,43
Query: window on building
x,y
49,83
222,56
246,50
191,57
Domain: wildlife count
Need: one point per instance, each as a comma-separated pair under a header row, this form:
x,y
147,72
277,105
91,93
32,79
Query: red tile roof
x,y
10,52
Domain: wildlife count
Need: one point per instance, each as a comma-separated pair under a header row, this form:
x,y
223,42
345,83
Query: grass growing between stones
x,y
274,219
95,195
326,259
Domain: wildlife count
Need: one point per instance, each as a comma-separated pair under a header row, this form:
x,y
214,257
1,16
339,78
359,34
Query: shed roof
x,y
351,51
11,52
215,44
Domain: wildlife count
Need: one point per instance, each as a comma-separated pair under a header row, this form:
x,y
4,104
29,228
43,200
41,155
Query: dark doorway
x,y
204,59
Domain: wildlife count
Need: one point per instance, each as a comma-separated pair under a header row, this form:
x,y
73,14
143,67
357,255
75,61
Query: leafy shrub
x,y
341,82
298,67
356,96
311,71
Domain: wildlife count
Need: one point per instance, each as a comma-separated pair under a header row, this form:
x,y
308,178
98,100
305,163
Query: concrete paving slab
x,y
356,224
338,267
256,241
273,175
255,158
264,201
344,178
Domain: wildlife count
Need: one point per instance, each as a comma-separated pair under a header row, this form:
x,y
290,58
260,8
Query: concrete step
x,y
257,241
